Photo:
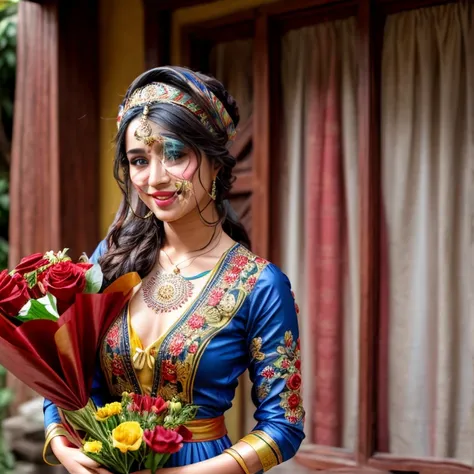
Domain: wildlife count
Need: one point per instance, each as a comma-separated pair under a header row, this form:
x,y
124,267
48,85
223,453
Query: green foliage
x,y
8,32
6,397
8,35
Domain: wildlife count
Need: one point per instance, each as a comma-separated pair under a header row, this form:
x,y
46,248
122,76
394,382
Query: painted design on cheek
x,y
173,149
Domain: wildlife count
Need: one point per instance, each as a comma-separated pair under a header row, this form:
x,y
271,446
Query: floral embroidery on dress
x,y
286,366
182,351
113,362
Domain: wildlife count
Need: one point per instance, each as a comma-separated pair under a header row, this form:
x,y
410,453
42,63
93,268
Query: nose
x,y
158,175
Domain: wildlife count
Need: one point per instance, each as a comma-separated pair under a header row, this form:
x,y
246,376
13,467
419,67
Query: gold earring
x,y
147,215
213,194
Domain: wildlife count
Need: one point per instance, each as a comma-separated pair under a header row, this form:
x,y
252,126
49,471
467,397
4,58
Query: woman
x,y
207,308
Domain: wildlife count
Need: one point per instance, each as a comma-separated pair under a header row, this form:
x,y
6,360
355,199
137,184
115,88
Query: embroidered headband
x,y
158,92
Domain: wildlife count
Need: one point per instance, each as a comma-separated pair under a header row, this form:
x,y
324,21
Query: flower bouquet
x,y
138,432
52,319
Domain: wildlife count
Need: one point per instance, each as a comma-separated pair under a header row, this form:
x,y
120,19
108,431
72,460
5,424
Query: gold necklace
x,y
166,292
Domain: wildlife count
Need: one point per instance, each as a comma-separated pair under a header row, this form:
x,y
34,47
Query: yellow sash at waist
x,y
207,429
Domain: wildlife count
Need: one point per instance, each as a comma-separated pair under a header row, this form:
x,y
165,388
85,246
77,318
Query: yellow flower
x,y
109,410
94,447
127,436
175,406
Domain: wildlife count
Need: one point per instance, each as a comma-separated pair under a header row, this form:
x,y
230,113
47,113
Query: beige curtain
x,y
232,63
428,169
319,79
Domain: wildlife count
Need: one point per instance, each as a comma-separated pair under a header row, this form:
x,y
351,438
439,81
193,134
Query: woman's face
x,y
158,171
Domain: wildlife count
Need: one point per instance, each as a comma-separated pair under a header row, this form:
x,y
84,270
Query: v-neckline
x,y
159,341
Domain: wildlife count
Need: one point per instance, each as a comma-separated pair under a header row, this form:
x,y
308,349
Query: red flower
x,y
113,337
215,297
177,345
117,366
192,349
293,419
161,440
240,261
298,343
13,293
298,364
294,400
65,280
294,382
297,308
185,433
268,372
145,403
196,321
31,263
168,369
285,364
251,282
260,261
231,277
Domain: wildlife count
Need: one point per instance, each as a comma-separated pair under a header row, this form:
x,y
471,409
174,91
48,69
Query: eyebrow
x,y
135,150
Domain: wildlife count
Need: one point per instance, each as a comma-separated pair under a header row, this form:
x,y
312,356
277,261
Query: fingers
x,y
86,462
101,470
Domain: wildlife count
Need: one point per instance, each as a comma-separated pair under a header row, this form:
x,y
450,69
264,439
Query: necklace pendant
x,y
166,292
176,271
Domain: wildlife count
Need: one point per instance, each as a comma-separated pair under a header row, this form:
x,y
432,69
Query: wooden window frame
x,y
268,22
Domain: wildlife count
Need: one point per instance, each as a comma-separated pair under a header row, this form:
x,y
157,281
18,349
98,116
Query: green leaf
x,y
35,310
6,397
10,58
94,279
49,301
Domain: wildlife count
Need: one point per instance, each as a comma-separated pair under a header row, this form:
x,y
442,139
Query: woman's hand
x,y
73,460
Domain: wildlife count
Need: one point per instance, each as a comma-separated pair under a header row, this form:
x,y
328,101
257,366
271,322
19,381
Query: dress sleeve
x,y
52,419
275,369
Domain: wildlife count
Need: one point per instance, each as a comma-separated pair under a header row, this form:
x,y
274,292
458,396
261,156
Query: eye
x,y
138,161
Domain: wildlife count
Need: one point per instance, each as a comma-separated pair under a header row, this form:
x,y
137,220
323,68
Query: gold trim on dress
x,y
207,429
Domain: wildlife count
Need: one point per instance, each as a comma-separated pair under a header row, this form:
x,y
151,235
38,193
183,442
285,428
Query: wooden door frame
x,y
269,20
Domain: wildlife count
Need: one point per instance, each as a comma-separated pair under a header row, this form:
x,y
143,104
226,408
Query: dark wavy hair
x,y
133,242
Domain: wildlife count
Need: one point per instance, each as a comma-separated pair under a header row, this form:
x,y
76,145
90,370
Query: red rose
x,y
65,280
164,441
293,400
13,293
168,369
142,403
185,433
298,364
31,263
294,382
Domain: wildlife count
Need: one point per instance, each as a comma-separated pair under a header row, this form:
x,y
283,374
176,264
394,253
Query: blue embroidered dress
x,y
245,317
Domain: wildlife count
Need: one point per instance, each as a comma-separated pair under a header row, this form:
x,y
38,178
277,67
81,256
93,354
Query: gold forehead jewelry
x,y
144,131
